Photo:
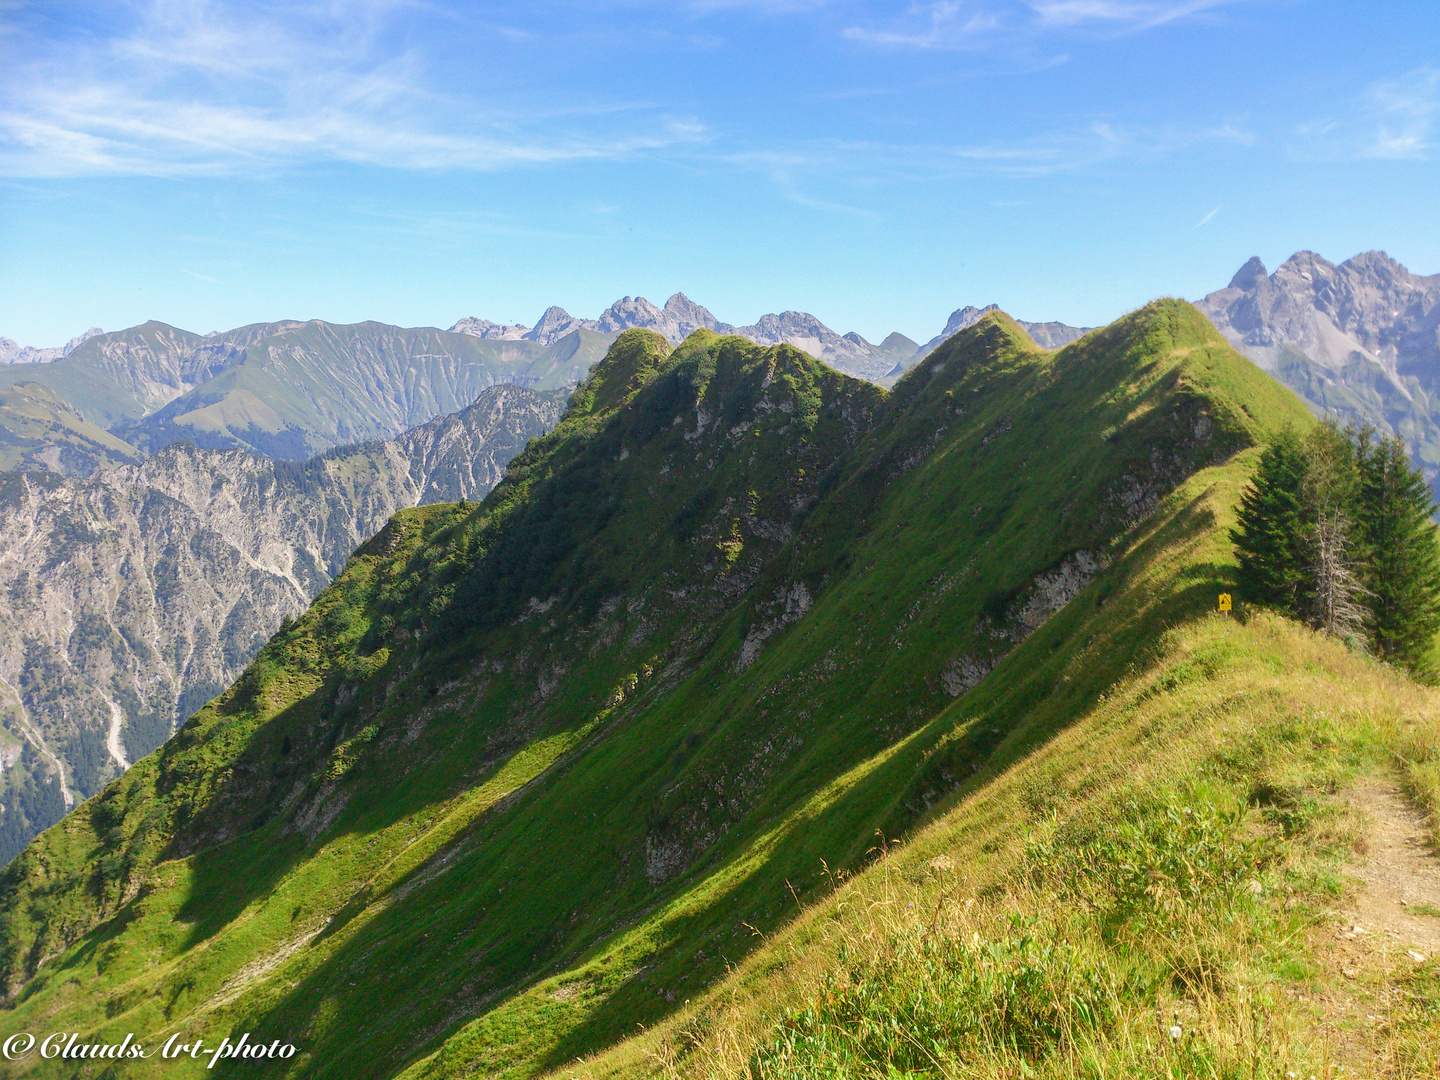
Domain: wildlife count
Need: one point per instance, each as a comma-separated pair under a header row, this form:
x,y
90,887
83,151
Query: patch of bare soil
x,y
1387,927
1397,899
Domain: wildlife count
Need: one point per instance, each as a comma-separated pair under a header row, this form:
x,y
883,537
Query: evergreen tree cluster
x,y
1335,529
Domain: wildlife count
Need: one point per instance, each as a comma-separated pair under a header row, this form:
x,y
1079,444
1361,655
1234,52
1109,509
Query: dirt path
x,y
1397,902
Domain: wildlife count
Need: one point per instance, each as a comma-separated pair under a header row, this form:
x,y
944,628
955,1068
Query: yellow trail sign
x,y
1224,601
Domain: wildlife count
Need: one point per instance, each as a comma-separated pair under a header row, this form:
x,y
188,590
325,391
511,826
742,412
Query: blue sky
x,y
211,164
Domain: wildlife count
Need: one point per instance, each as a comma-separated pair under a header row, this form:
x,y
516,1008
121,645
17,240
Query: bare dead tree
x,y
1337,608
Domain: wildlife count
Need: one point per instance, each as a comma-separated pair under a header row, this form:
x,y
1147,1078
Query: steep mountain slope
x,y
1361,340
38,430
531,773
120,376
130,599
1170,866
308,387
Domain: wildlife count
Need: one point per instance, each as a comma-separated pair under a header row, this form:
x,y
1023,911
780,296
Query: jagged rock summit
x,y
1369,307
681,317
1360,340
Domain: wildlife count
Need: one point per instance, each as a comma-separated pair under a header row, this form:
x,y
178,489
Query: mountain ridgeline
x,y
291,390
533,772
96,669
129,599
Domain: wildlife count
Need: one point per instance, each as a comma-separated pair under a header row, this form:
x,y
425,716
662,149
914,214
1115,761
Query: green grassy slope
x,y
1146,879
532,773
38,430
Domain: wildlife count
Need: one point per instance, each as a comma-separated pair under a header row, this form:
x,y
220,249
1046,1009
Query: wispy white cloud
x,y
841,178
1207,218
1121,14
1405,113
1077,149
946,24
1396,119
979,24
195,88
796,172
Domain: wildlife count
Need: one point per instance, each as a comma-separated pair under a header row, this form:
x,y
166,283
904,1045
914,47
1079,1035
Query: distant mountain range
x,y
284,390
294,389
681,316
11,353
1360,340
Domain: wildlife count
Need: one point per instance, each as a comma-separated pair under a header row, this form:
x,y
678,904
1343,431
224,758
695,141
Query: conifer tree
x,y
1402,573
1335,528
1270,540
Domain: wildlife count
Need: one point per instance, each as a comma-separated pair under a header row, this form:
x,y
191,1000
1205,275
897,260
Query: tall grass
x,y
1152,894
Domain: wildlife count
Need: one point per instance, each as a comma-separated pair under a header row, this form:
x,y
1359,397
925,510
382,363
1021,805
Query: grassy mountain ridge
x,y
119,376
38,430
526,772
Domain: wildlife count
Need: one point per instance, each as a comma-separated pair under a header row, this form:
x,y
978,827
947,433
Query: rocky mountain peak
x,y
1357,340
1249,275
1304,266
966,317
1379,270
626,313
484,328
687,312
555,321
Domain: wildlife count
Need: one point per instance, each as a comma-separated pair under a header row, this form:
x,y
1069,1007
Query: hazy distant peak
x,y
554,316
1306,265
1250,274
627,313
11,353
688,313
484,328
966,317
1048,335
80,339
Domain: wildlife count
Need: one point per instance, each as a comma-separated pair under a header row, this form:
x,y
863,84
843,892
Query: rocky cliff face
x,y
1361,339
129,599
